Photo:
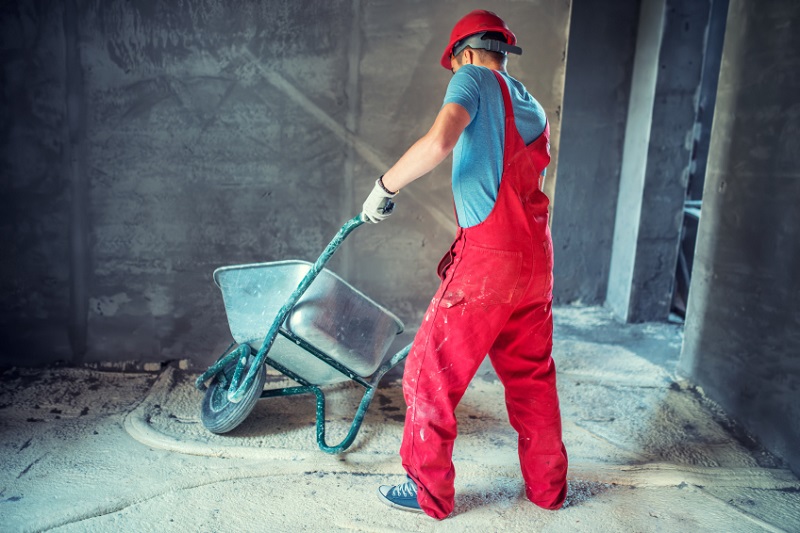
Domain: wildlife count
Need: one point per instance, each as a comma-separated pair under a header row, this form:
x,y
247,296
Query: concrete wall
x,y
146,143
742,336
35,214
598,83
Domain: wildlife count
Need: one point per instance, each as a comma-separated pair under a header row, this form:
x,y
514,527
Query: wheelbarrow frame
x,y
239,386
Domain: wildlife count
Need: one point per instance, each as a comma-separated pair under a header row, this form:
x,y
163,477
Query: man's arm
x,y
430,150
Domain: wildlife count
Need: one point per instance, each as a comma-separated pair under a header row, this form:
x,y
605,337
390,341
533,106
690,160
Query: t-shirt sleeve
x,y
464,89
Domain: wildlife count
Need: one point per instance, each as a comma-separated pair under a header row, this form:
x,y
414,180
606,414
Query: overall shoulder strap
x,y
506,95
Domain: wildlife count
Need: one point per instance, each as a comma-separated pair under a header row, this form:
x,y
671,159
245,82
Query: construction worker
x,y
496,290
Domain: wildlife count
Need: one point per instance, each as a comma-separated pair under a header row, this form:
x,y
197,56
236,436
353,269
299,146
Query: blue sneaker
x,y
403,496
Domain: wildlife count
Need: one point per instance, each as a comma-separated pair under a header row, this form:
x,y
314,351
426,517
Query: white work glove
x,y
378,204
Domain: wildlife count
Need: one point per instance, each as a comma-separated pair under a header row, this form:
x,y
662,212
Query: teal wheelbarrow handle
x,y
238,388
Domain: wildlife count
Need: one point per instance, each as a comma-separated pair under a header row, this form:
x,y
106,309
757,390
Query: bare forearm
x,y
423,156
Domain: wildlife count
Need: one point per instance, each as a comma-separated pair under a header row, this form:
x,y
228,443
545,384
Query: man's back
x,y
478,155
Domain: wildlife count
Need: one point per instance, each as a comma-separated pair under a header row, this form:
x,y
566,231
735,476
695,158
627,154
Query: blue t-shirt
x,y
478,155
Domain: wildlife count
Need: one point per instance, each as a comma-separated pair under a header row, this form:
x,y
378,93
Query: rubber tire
x,y
218,414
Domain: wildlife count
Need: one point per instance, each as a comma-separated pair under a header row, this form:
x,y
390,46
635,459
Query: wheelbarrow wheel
x,y
220,415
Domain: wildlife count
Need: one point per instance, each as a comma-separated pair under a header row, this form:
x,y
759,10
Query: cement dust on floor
x,y
92,451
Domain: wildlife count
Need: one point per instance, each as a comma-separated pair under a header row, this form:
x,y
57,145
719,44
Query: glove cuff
x,y
382,186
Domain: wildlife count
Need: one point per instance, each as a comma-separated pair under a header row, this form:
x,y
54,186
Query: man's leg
x,y
447,351
521,357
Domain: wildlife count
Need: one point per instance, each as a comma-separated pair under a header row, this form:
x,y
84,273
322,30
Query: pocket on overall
x,y
547,246
483,277
444,263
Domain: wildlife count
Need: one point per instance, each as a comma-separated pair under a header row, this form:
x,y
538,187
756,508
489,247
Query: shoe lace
x,y
406,490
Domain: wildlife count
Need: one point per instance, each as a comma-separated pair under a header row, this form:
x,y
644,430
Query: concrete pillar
x,y
596,91
75,168
742,334
656,157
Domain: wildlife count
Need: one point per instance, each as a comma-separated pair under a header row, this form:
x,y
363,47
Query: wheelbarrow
x,y
323,331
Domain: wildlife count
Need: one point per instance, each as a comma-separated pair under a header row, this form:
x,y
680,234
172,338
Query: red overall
x,y
495,298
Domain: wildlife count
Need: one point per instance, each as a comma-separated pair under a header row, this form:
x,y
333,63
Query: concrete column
x,y
596,92
743,321
76,170
656,157
352,90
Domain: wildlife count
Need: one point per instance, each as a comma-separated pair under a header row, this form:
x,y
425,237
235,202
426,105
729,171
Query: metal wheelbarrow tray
x,y
321,333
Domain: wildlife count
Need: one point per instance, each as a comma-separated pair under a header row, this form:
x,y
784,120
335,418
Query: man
x,y
496,290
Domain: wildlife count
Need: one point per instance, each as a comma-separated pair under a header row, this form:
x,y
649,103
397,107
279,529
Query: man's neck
x,y
499,67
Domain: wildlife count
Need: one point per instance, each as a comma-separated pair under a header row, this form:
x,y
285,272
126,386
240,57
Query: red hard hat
x,y
477,21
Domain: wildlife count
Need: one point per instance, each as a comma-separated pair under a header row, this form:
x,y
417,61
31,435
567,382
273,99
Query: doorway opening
x,y
693,202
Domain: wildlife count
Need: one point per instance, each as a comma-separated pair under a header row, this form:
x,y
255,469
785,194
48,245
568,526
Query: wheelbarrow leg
x,y
354,427
362,407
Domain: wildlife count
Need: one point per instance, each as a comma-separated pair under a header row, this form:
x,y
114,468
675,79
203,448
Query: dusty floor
x,y
92,451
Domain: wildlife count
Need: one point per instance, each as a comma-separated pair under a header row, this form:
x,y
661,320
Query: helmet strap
x,y
477,41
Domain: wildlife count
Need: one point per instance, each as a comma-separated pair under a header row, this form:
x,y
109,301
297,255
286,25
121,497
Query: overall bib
x,y
495,298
